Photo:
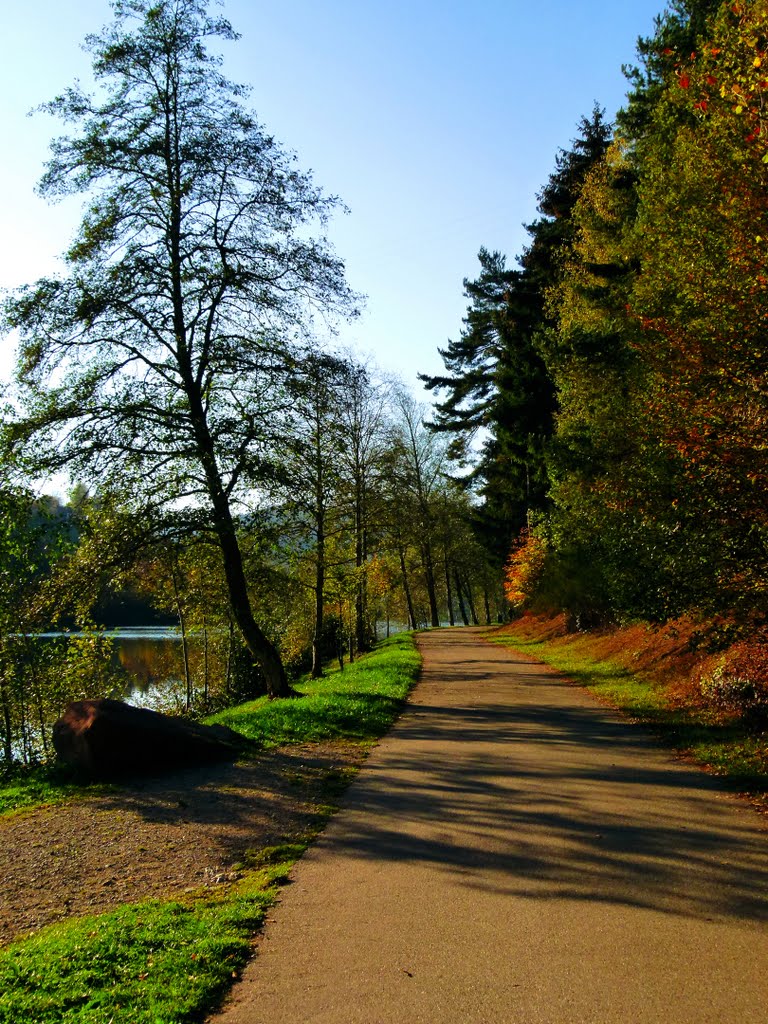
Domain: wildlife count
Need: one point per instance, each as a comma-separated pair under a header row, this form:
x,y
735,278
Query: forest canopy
x,y
619,369
596,444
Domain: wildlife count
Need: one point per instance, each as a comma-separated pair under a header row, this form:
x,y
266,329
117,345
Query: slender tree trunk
x,y
429,575
317,638
317,655
407,589
361,556
487,604
340,643
42,723
205,664
230,651
449,595
471,603
5,704
460,598
184,638
23,723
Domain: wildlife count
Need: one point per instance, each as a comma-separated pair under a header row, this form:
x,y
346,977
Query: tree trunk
x,y
429,574
340,637
5,703
449,594
317,638
471,603
205,664
460,598
230,651
262,650
487,603
407,589
362,636
183,627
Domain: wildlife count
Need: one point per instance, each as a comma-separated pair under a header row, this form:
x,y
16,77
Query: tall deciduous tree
x,y
312,501
160,360
417,471
363,420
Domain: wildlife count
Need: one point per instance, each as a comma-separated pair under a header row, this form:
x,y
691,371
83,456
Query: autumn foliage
x,y
524,568
656,338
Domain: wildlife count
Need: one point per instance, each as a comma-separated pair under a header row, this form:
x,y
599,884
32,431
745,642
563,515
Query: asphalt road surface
x,y
514,853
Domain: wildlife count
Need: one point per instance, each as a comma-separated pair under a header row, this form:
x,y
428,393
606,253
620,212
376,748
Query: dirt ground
x,y
159,836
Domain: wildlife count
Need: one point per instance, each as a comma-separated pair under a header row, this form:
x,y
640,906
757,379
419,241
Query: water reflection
x,y
152,661
149,664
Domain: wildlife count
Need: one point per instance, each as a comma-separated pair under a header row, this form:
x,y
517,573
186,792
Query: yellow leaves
x,y
757,62
524,568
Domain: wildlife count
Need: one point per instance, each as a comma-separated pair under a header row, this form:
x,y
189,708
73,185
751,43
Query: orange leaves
x,y
524,568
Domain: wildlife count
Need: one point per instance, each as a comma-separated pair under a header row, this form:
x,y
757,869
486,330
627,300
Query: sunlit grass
x,y
359,703
146,963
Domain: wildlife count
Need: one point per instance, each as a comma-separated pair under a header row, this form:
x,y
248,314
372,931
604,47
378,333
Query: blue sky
x,y
435,122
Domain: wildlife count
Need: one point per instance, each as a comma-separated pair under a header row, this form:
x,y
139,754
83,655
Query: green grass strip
x,y
359,703
729,748
145,963
45,784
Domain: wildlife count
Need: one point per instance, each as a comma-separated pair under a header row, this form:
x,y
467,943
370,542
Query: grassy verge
x,y
359,703
727,746
170,962
146,963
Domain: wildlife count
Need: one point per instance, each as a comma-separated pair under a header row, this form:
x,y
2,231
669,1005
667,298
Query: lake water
x,y
150,661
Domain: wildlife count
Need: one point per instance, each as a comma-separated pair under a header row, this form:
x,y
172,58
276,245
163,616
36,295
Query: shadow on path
x,y
509,779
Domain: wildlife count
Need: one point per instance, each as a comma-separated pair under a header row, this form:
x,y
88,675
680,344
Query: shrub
x,y
729,690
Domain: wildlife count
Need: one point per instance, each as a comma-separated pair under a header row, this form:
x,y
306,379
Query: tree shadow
x,y
542,798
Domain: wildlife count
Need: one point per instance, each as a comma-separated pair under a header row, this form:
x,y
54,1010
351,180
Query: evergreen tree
x,y
675,38
497,374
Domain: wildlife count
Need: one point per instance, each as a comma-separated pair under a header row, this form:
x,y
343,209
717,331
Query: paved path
x,y
512,853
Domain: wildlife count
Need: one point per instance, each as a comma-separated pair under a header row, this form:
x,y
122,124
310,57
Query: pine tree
x,y
497,374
